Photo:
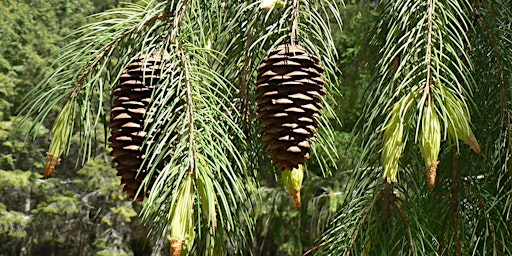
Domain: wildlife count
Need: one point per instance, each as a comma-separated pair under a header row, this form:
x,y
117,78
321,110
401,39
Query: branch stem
x,y
181,6
503,92
406,223
455,202
109,48
295,22
190,109
428,55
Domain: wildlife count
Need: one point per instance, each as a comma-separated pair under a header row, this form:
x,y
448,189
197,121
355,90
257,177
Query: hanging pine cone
x,y
289,91
131,101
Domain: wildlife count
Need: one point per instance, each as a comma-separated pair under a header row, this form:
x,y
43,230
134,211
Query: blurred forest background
x,y
82,210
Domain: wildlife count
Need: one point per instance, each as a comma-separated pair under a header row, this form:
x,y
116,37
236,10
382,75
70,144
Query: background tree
x,y
84,210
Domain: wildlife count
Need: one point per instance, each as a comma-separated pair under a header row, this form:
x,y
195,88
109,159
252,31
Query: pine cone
x,y
131,101
289,91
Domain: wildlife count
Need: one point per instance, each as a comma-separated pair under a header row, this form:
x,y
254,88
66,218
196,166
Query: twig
x,y
503,102
190,112
428,57
484,209
177,20
455,202
295,22
407,225
109,48
188,87
388,198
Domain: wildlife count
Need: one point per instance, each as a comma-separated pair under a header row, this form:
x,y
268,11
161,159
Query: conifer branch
x,y
503,92
455,202
190,110
407,225
110,47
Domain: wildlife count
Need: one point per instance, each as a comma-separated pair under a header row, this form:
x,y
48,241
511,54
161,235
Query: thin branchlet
x,y
108,51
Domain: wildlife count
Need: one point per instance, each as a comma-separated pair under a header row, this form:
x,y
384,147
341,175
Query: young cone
x,y
61,132
267,5
392,150
430,142
292,180
458,121
393,138
182,218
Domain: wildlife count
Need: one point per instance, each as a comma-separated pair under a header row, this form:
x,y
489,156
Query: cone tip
x,y
295,194
431,174
51,161
176,245
473,143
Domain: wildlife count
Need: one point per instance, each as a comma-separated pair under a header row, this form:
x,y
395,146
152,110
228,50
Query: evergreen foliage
x,y
413,151
434,52
203,189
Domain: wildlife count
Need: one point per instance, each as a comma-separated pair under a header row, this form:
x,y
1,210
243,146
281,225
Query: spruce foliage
x,y
433,137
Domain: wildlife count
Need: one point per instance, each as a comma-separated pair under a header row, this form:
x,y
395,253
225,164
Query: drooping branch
x,y
455,202
190,109
110,47
428,55
503,91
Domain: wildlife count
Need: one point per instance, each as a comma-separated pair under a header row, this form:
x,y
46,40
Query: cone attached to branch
x,y
459,121
289,91
131,101
394,143
61,134
430,142
181,226
292,180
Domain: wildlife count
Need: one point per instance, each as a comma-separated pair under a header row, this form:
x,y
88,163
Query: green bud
x,y
430,142
392,150
458,121
292,180
182,218
267,5
393,138
61,133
